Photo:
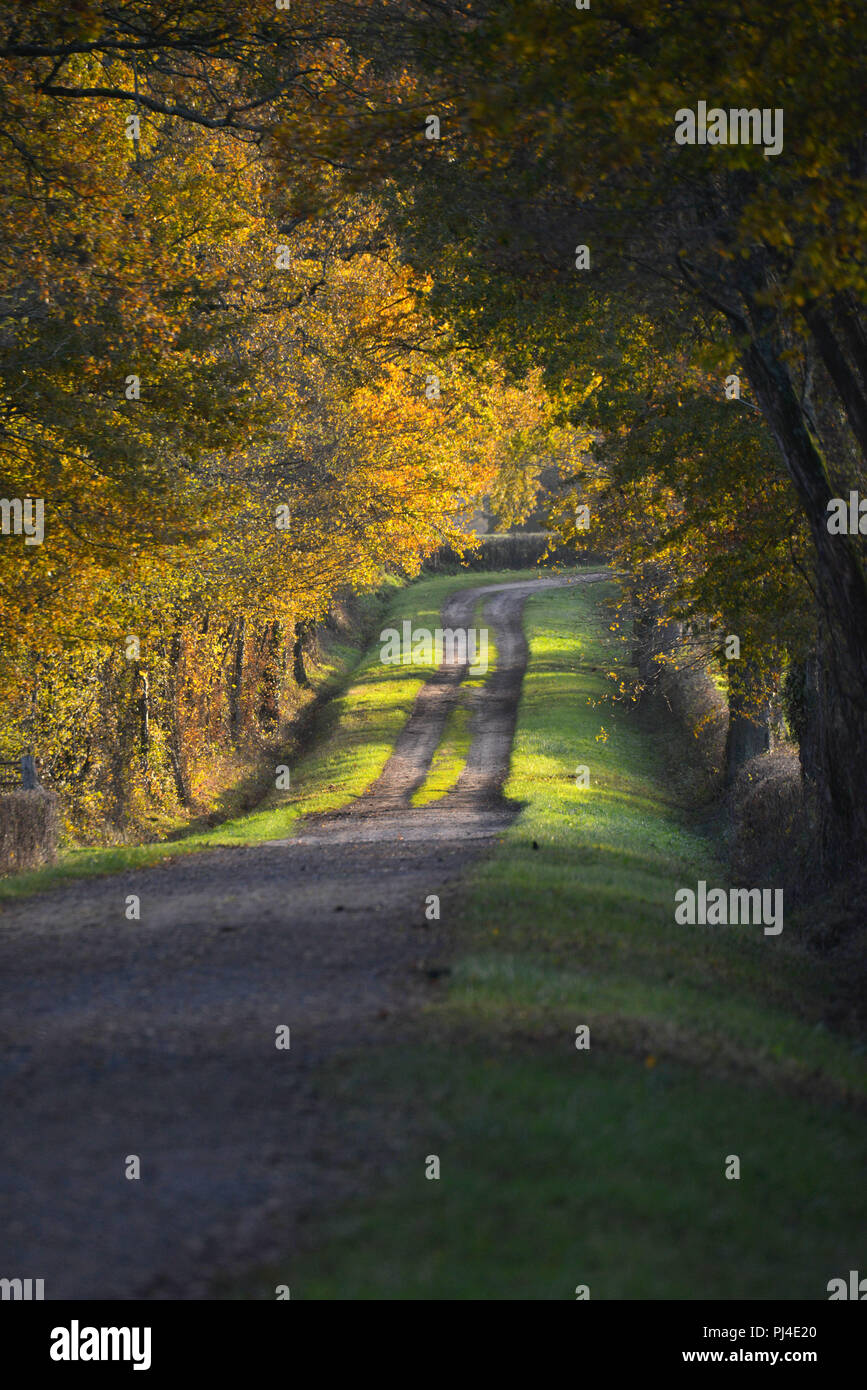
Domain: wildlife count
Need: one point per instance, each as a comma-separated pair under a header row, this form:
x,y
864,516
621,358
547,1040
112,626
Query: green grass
x,y
603,1166
590,1169
451,755
355,736
586,922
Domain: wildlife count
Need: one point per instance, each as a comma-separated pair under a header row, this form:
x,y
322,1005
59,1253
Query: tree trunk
x,y
302,631
236,687
29,779
841,736
847,385
848,317
144,719
175,747
269,706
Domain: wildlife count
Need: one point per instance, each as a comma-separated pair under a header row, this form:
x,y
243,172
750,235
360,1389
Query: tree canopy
x,y
355,264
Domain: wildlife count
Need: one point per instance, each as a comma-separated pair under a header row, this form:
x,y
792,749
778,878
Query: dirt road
x,y
156,1038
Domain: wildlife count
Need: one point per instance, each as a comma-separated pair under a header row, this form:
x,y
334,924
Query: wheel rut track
x,y
156,1037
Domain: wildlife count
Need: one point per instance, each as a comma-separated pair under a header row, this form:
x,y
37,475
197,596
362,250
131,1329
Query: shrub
x,y
29,828
511,550
773,824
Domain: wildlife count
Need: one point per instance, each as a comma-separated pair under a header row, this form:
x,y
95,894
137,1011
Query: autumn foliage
x,y
230,418
285,289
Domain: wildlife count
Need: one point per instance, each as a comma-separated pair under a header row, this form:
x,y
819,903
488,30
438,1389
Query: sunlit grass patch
x,y
450,757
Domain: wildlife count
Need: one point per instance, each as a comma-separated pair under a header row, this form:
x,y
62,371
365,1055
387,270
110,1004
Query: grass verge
x,y
603,1166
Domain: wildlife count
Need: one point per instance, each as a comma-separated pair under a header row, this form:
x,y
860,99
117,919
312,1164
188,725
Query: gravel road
x,y
156,1038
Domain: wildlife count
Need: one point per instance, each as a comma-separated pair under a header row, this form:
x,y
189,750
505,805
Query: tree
x,y
558,132
225,416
